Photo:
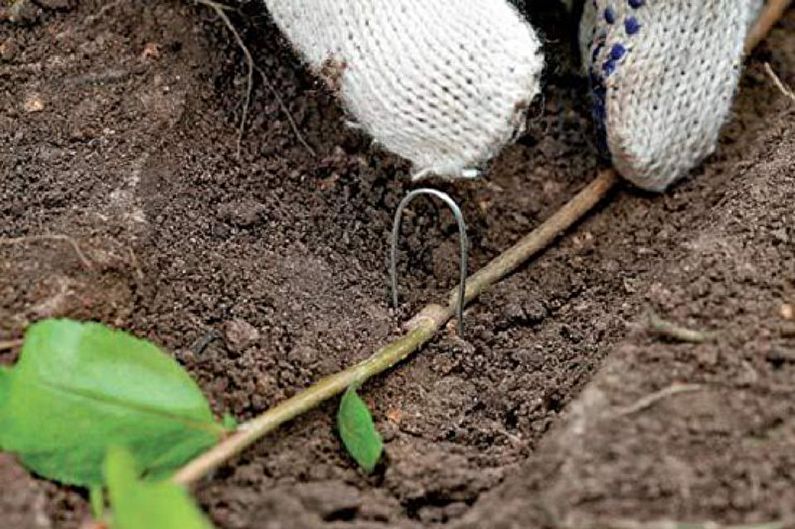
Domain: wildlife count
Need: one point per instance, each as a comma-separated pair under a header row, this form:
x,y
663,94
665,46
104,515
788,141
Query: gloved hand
x,y
446,83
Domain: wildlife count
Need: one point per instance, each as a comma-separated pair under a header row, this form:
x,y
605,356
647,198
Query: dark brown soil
x,y
265,271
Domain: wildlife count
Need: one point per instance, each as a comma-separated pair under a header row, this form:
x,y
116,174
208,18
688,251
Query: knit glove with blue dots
x,y
447,83
663,74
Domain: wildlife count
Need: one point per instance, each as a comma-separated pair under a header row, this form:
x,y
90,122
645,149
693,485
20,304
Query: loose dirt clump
x,y
266,270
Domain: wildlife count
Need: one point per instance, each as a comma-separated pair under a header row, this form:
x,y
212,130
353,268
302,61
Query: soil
x,y
263,267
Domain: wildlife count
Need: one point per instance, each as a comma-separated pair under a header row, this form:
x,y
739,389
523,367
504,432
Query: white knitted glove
x,y
446,83
663,75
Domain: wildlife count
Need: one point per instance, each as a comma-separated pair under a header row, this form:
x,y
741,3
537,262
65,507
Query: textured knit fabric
x,y
446,83
663,75
443,83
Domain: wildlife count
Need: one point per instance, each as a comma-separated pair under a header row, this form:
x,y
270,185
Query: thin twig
x,y
252,67
50,237
94,524
784,89
222,6
676,332
422,329
650,400
201,344
10,344
285,111
770,15
219,11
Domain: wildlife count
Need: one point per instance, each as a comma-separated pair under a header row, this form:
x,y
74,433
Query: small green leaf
x,y
229,422
358,432
139,504
96,497
79,388
5,380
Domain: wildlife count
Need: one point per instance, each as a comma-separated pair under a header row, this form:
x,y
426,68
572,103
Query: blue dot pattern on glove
x,y
599,72
663,75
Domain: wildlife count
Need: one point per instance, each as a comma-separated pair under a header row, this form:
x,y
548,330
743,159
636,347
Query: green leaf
x,y
358,432
79,388
5,376
229,422
96,498
139,504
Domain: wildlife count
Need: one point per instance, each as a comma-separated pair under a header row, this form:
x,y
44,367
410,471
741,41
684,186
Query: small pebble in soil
x,y
33,103
8,49
244,213
240,334
151,51
21,12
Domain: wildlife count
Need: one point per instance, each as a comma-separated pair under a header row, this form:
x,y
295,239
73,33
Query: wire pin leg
x,y
464,243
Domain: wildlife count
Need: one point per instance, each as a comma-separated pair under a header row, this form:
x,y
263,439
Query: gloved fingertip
x,y
644,170
663,76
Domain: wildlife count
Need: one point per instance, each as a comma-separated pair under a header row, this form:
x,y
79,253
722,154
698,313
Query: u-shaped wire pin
x,y
463,240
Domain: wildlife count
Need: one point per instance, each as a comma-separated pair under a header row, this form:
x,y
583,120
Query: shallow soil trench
x,y
264,271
